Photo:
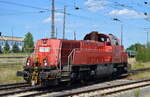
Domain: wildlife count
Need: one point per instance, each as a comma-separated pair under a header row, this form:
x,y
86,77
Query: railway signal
x,y
116,19
147,36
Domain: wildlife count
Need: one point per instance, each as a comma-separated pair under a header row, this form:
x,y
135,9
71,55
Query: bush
x,y
143,52
6,48
15,48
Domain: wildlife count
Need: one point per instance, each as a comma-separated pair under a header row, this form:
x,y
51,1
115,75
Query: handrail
x,y
59,60
69,57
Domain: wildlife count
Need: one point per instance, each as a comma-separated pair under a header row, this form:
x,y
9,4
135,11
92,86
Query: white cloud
x,y
75,25
69,31
94,5
57,18
28,27
48,20
95,26
58,14
127,13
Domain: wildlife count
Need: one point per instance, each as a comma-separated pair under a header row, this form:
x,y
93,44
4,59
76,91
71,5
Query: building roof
x,y
11,38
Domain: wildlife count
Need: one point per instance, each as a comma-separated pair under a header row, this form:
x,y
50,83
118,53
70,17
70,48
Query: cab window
x,y
115,42
105,39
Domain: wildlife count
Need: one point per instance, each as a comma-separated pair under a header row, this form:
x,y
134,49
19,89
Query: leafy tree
x,y
143,51
141,54
148,51
135,46
28,43
148,45
6,47
15,48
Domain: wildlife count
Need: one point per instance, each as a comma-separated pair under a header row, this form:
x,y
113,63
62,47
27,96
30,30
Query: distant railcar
x,y
58,60
131,53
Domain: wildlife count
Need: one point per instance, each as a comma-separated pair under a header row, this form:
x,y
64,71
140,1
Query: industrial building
x,y
11,40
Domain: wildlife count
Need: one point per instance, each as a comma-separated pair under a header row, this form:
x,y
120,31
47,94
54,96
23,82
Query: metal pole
x,y
74,35
56,33
147,38
64,23
53,20
121,34
12,31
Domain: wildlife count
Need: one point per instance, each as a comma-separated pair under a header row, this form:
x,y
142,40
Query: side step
x,y
65,75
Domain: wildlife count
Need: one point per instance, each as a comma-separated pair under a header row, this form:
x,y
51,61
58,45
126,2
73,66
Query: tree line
x,y
143,51
28,46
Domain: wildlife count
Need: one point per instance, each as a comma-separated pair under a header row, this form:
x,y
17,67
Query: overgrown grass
x,y
137,93
8,69
12,61
147,95
16,54
138,65
140,76
8,74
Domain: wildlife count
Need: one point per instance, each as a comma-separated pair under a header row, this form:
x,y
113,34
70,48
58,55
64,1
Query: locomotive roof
x,y
90,35
94,35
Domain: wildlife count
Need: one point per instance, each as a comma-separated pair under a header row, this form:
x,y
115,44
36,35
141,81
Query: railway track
x,y
22,89
76,91
139,70
5,85
105,91
36,91
79,91
13,86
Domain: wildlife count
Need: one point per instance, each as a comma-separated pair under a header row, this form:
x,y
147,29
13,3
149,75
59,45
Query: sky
x,y
17,17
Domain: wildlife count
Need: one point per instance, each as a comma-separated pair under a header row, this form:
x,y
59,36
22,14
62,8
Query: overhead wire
x,y
140,13
22,5
75,7
21,13
70,14
34,7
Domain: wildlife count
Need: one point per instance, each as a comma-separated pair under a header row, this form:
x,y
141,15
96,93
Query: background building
x,y
19,41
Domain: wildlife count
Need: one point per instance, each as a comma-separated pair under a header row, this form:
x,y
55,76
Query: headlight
x,y
28,62
45,62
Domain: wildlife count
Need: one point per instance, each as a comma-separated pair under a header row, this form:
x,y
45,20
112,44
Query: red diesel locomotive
x,y
59,60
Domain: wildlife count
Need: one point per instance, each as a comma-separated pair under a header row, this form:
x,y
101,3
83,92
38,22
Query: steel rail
x,y
13,56
43,90
22,90
139,70
71,93
126,89
38,93
13,84
55,89
14,87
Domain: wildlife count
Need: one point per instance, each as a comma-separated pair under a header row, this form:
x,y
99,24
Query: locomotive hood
x,y
47,52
